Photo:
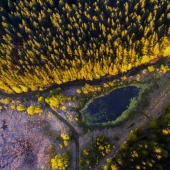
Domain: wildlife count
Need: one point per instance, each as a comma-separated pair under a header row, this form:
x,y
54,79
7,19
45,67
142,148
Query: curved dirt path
x,y
74,133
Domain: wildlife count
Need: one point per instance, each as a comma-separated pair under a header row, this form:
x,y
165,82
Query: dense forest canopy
x,y
45,42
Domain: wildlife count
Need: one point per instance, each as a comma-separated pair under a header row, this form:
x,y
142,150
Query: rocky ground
x,y
24,139
22,145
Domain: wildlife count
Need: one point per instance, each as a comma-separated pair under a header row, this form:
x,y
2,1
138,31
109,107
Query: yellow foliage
x,y
106,167
30,110
159,156
150,164
119,161
40,99
101,148
145,59
17,89
165,131
54,100
164,68
5,101
50,115
66,139
134,154
105,85
76,119
23,88
151,68
34,109
157,150
78,91
61,146
66,143
65,136
167,51
60,162
146,146
85,91
21,107
138,167
86,151
63,108
108,150
114,167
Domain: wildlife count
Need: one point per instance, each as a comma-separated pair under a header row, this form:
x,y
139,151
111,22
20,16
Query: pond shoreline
x,y
122,115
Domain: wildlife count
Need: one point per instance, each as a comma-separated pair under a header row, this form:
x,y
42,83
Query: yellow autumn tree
x,y
60,161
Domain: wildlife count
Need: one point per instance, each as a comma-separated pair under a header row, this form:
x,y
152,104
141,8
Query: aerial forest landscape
x,y
84,85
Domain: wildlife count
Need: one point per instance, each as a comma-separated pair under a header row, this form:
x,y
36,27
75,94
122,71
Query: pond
x,y
111,106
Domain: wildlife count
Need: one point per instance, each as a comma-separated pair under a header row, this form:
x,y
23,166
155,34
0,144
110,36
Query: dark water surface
x,y
109,107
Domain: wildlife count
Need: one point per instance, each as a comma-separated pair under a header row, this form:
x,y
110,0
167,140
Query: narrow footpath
x,y
74,133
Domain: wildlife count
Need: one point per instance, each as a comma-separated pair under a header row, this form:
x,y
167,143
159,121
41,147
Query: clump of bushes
x,y
151,68
88,88
21,107
65,138
61,161
34,110
90,156
5,101
55,99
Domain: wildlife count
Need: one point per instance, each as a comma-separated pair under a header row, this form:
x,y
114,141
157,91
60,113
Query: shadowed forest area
x,y
47,42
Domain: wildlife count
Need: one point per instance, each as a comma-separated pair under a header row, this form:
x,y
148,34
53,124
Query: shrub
x,y
60,161
21,107
65,138
116,137
51,151
13,106
78,91
55,100
40,99
30,110
38,109
152,124
34,109
63,108
5,101
132,137
151,68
